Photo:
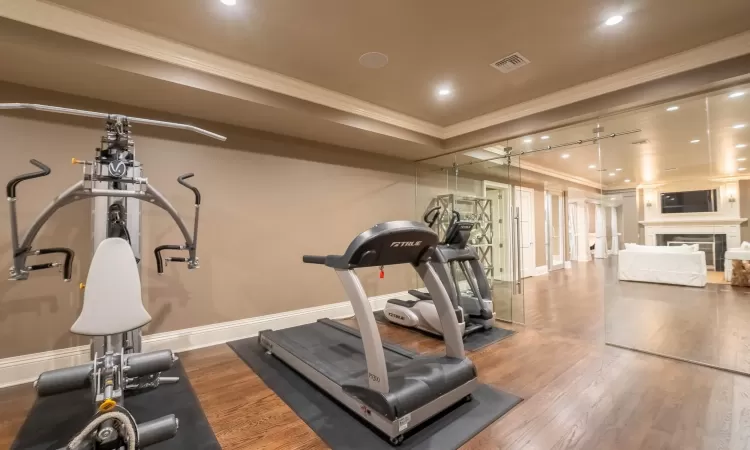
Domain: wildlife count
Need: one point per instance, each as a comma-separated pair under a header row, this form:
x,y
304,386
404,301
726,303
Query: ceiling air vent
x,y
641,142
510,63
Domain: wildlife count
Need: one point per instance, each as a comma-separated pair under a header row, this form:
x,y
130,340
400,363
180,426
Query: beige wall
x,y
266,201
743,197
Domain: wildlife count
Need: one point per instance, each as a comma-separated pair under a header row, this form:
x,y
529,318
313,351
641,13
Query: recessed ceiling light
x,y
565,156
592,166
627,180
673,108
741,169
736,94
739,125
614,20
528,140
544,138
741,159
695,141
740,146
443,92
618,170
611,174
229,2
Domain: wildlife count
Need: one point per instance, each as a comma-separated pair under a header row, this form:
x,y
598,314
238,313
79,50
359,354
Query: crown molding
x,y
711,53
525,165
531,167
73,23
93,29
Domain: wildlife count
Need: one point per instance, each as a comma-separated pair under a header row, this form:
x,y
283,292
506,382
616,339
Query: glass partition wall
x,y
480,185
648,210
673,294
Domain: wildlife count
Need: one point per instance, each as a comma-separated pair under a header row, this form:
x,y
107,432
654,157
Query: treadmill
x,y
385,385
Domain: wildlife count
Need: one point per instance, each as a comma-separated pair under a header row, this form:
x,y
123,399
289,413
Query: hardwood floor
x,y
578,392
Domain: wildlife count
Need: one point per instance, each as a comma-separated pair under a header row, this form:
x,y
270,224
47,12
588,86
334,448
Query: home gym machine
x,y
388,387
112,312
474,312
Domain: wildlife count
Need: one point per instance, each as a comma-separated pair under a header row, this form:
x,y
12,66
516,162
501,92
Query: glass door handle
x,y
517,243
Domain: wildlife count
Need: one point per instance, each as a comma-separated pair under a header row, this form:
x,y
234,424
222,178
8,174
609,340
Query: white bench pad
x,y
112,301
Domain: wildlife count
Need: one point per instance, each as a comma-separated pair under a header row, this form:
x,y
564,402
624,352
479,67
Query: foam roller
x,y
63,380
158,430
141,364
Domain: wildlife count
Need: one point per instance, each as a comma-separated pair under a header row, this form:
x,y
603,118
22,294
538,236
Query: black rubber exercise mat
x,y
472,342
342,430
53,420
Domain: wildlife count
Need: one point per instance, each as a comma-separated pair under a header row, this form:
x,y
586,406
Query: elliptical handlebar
x,y
181,179
10,188
430,220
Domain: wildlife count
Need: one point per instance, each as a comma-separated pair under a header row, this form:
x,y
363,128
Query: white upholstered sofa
x,y
683,265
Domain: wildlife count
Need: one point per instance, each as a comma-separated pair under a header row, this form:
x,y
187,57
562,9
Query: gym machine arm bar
x,y
192,263
10,190
99,115
79,192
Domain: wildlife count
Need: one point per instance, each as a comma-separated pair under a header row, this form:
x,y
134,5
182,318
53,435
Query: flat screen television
x,y
688,201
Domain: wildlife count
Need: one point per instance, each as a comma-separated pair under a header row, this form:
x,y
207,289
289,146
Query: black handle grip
x,y
435,212
159,259
314,259
67,265
40,266
10,188
178,259
181,179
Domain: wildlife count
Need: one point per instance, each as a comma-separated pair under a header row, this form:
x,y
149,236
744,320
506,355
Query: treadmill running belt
x,y
340,429
337,355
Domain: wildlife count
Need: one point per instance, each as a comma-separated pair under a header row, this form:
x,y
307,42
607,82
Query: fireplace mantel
x,y
729,226
704,221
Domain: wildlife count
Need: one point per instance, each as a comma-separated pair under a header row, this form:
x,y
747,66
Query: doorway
x,y
524,198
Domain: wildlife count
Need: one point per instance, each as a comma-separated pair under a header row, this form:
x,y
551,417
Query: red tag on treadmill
x,y
382,274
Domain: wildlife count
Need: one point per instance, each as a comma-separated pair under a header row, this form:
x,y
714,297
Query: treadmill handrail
x,y
314,259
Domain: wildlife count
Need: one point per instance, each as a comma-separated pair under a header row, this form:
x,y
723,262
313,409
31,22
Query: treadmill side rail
x,y
377,372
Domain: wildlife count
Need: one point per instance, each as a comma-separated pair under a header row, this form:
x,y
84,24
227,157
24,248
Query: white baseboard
x,y
541,270
26,368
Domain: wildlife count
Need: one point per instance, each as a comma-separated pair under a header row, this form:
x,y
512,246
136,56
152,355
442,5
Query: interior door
x,y
525,204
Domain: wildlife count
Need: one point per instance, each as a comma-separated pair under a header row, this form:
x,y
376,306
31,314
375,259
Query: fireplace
x,y
713,245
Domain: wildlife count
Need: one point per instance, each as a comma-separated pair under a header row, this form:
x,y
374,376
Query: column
x,y
600,250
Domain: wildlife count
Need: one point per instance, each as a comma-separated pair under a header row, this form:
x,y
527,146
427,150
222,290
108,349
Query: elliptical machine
x,y
474,312
113,312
